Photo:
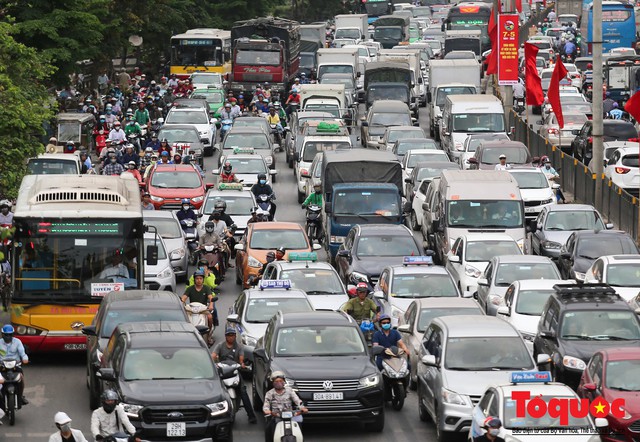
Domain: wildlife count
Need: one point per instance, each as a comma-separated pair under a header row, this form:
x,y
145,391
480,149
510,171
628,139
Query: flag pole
x,y
528,128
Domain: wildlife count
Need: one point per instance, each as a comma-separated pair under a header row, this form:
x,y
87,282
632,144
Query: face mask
x,y
7,338
318,191
108,112
386,326
278,385
147,154
66,428
185,207
270,259
547,166
263,182
113,160
494,431
109,407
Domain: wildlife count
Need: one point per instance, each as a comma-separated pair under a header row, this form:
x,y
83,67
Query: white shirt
x,y
501,167
105,424
117,135
77,435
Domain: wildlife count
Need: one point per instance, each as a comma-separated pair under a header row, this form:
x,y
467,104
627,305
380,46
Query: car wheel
x,y
229,437
414,221
257,402
378,425
422,410
238,277
300,198
441,435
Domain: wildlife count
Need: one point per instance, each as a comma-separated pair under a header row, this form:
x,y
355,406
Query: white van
x,y
464,115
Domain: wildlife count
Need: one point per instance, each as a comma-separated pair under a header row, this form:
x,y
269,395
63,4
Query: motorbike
x,y
314,223
101,141
198,316
135,140
189,227
118,437
277,136
264,207
225,127
213,255
230,374
12,374
286,429
396,374
519,105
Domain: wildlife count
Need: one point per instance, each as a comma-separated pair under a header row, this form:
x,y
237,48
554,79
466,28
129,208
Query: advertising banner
x,y
507,49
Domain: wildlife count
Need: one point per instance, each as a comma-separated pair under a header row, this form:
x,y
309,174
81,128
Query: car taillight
x,y
622,170
553,131
575,76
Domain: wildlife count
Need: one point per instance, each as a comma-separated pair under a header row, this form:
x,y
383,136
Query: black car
x,y
579,320
368,248
326,361
614,130
117,308
584,247
167,382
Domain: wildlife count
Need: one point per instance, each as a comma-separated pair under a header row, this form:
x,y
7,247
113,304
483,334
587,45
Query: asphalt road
x,y
58,382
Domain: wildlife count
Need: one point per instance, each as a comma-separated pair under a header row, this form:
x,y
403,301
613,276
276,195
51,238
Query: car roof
x,y
435,164
182,108
178,127
383,229
571,208
318,317
522,259
276,293
242,156
475,326
620,259
247,130
156,327
400,269
553,389
389,106
413,128
488,236
150,297
540,284
596,233
509,144
621,353
298,265
414,140
165,214
177,167
273,225
445,302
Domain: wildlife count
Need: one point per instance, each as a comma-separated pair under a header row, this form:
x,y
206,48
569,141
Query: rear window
x,y
630,160
619,131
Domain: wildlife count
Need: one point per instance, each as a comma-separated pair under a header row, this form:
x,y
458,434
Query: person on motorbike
x,y
362,307
130,155
141,115
117,134
12,348
186,212
209,276
211,238
133,129
552,175
6,216
227,113
616,113
292,103
569,49
149,168
254,216
280,253
198,292
280,398
232,351
165,158
85,161
131,168
146,202
154,143
227,175
271,256
607,103
281,113
274,118
492,426
65,433
145,160
304,79
110,116
110,418
314,198
113,167
262,188
387,337
164,147
518,91
177,159
102,125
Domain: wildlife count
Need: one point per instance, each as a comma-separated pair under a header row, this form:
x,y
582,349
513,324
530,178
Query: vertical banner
x,y
507,49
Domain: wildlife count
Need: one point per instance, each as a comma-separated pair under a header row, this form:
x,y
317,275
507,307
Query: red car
x,y
168,184
615,373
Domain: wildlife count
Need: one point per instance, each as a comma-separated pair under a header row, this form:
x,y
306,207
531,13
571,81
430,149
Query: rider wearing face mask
x,y
262,188
314,198
186,211
112,167
387,337
492,425
280,398
110,418
12,348
6,217
65,432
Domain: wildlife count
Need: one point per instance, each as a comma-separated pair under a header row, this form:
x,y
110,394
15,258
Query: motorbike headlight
x,y
197,199
132,410
451,397
253,262
579,276
496,300
551,245
369,381
359,277
166,273
218,408
575,363
156,198
249,340
471,271
177,254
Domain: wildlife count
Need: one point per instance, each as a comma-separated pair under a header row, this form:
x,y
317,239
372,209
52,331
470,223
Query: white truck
x,y
351,26
324,98
449,77
337,61
413,58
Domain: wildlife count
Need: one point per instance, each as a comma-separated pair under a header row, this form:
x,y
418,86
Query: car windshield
x,y
322,340
260,310
530,180
404,146
267,239
360,203
381,33
246,122
179,135
419,157
176,180
478,123
513,422
428,314
509,272
206,79
261,58
168,228
391,119
256,141
531,302
575,119
623,275
630,160
114,317
247,166
485,213
573,220
187,117
619,131
600,325
595,246
313,147
443,92
431,172
54,167
515,155
236,205
347,81
388,92
483,251
386,245
423,285
314,281
623,375
470,354
477,140
162,363
212,97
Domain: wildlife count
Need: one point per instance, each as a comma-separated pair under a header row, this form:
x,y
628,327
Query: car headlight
x,y
370,381
521,243
177,254
496,300
338,239
166,273
471,271
548,201
450,397
156,198
269,160
626,416
197,199
253,262
132,410
551,245
575,363
359,277
218,408
249,340
290,382
579,276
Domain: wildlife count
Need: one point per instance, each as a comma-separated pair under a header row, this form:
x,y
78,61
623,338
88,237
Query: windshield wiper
x,y
468,368
587,257
321,292
377,214
507,367
554,228
40,301
584,338
622,388
351,214
164,379
611,338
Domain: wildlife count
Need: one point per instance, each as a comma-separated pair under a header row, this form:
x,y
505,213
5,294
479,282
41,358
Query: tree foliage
x,y
25,107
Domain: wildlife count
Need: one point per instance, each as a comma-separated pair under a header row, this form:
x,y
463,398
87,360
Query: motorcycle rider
x,y
518,91
65,433
165,158
280,252
292,103
271,256
552,175
117,134
280,398
149,168
314,198
502,165
12,348
130,155
6,216
262,188
607,104
177,159
387,337
110,418
145,160
254,216
201,293
227,175
232,351
110,116
361,307
154,143
211,238
492,425
164,147
146,202
209,276
186,212
131,168
616,113
85,161
274,118
227,113
569,49
113,167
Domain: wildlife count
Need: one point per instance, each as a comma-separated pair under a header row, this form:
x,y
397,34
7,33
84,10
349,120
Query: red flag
x,y
559,73
519,5
632,106
535,94
492,60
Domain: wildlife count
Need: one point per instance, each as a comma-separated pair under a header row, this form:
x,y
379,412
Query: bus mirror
x,y
152,255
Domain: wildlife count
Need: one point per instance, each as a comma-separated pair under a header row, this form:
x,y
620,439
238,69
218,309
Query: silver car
x,y
168,228
159,276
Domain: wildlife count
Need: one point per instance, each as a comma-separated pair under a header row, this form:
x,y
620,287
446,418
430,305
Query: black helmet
x,y
281,250
220,205
216,214
262,176
209,226
203,262
110,395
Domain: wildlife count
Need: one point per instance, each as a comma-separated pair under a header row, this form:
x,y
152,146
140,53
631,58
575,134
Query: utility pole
x,y
598,148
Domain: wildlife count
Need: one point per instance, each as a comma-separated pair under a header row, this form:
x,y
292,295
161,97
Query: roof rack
x,y
584,290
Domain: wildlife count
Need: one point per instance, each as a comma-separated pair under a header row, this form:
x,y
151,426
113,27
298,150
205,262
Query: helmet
x,y
230,331
278,374
492,422
116,123
262,176
589,66
362,286
615,105
384,317
198,273
8,329
281,250
149,149
5,203
70,143
129,146
209,226
109,395
61,417
220,205
203,262
185,200
164,153
132,163
271,255
227,105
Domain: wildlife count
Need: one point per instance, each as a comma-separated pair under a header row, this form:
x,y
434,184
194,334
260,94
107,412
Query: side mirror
x,y
202,329
215,172
436,225
407,180
532,226
259,353
213,120
316,246
472,160
377,350
483,282
504,310
234,317
575,132
273,172
107,374
609,226
565,255
239,247
590,386
601,422
454,258
404,328
555,186
415,122
548,334
467,294
344,253
543,358
378,294
152,255
425,207
89,330
364,124
203,140
429,360
209,185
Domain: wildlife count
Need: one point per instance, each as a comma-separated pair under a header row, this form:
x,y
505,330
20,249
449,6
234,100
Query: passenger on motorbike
x,y
130,155
280,252
209,277
227,175
314,198
186,212
131,168
262,188
154,143
86,162
362,307
232,351
164,147
12,348
112,167
280,398
201,293
110,418
387,337
145,160
616,113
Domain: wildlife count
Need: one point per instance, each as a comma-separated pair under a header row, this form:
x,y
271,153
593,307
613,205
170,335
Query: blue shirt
x,y
386,341
616,113
13,350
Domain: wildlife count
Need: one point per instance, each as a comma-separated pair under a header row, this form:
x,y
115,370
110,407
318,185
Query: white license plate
x,y
176,429
529,209
75,346
327,396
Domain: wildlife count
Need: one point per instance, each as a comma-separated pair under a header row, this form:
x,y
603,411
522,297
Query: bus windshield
x,y
197,52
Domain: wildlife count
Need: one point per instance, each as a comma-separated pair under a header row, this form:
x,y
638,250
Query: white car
x,y
419,198
159,276
471,253
622,168
239,202
247,167
415,156
536,190
574,74
202,80
622,272
471,144
198,117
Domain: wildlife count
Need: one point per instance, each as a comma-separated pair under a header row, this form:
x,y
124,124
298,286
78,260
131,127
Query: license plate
x,y
176,429
529,209
327,396
75,346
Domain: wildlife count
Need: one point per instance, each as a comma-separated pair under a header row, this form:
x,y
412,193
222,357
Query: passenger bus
x,y
471,15
201,50
71,232
618,26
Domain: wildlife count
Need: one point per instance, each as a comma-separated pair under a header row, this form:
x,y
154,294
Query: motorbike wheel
x,y
397,396
11,408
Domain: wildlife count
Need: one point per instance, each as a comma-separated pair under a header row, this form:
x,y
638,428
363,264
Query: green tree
x,y
25,107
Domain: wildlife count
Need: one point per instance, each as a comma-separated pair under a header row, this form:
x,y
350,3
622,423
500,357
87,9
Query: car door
x,y
483,410
261,364
537,237
592,375
549,346
483,290
343,263
418,200
509,301
381,292
565,259
434,381
411,338
455,267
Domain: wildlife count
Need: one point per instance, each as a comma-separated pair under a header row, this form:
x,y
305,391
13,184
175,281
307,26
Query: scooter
x,y
277,137
198,317
225,126
12,374
314,226
213,255
368,329
286,429
264,206
189,227
101,141
396,374
230,374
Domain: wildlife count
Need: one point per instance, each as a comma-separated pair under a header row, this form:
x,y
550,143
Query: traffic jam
x,y
333,223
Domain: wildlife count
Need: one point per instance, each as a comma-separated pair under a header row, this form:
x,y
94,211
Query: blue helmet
x,y
198,273
8,329
383,317
186,201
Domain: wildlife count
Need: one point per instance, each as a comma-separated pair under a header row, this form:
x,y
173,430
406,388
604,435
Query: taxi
x,y
498,401
168,184
247,165
253,309
319,280
415,278
261,238
239,204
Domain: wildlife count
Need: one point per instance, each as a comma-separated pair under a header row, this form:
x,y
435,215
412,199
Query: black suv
x,y
120,307
614,130
326,361
579,320
167,382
